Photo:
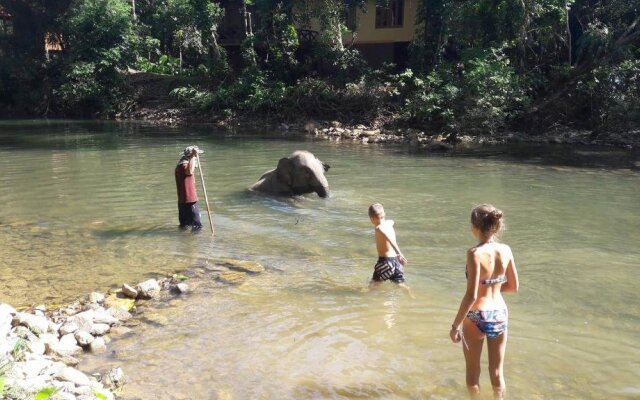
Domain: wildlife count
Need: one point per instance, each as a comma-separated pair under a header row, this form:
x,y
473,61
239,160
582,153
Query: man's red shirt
x,y
186,184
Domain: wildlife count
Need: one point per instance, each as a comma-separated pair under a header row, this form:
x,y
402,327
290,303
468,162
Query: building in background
x,y
382,32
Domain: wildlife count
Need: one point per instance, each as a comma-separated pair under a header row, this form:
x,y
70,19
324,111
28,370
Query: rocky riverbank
x,y
41,348
412,136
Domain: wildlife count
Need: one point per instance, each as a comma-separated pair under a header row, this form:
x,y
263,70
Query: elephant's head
x,y
302,172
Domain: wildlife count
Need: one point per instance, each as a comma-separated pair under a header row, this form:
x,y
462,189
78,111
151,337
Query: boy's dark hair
x,y
376,209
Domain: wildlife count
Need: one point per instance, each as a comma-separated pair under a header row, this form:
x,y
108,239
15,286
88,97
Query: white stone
x,y
7,309
99,329
68,340
67,346
32,368
103,317
114,378
69,327
84,338
84,320
96,297
62,395
129,291
148,289
36,346
5,321
98,345
183,287
63,386
53,327
38,324
119,313
120,330
71,374
30,385
49,340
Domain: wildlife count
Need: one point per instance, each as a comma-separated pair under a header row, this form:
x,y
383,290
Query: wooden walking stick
x,y
204,189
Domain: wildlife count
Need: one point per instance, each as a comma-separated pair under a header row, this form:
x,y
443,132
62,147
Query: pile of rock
x,y
360,133
38,347
38,350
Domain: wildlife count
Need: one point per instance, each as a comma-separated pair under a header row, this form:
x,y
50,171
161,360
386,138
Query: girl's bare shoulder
x,y
504,250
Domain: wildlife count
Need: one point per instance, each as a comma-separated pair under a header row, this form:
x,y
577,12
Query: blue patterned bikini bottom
x,y
492,323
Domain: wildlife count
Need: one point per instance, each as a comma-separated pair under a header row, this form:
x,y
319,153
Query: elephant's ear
x,y
284,171
325,166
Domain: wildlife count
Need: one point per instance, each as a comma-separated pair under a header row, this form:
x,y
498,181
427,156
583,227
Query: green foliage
x,y
18,349
101,31
429,99
101,40
284,43
194,97
340,66
45,394
99,395
610,96
493,93
89,89
166,65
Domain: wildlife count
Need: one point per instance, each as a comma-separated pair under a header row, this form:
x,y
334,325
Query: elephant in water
x,y
300,173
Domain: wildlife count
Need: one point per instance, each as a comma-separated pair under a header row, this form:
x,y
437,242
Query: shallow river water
x,y
87,206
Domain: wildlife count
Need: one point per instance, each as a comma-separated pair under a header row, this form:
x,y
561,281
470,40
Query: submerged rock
x,y
244,266
232,277
119,302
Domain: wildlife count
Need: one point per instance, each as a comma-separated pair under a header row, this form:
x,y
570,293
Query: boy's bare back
x,y
383,245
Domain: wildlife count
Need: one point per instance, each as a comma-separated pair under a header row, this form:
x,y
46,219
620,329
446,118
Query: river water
x,y
87,206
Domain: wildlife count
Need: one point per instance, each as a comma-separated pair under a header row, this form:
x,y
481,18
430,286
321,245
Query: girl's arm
x,y
470,296
512,284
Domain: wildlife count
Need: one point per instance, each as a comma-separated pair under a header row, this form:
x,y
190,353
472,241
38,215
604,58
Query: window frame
x,y
393,6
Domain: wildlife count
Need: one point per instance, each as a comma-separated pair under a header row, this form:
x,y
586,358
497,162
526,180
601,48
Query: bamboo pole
x,y
206,198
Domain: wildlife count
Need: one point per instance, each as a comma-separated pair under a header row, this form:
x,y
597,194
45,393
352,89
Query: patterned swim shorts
x,y
388,268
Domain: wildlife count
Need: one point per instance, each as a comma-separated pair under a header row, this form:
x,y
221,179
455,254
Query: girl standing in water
x,y
491,271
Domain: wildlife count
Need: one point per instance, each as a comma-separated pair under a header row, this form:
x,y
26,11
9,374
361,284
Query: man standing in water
x,y
188,211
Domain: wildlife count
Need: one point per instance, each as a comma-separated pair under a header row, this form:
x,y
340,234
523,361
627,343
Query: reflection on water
x,y
87,206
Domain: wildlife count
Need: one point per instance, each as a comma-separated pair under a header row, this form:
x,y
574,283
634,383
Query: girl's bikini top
x,y
497,279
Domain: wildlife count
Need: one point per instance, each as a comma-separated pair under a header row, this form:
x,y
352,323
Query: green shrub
x,y
609,96
493,93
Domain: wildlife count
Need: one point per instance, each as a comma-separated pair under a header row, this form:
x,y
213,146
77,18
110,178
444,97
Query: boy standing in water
x,y
390,260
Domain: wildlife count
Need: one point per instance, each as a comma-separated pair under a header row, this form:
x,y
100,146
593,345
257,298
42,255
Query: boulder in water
x,y
119,302
232,277
244,266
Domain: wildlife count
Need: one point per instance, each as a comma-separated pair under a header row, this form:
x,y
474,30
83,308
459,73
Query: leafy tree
x,y
101,39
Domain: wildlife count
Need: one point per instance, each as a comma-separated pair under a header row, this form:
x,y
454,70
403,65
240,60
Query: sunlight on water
x,y
87,206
